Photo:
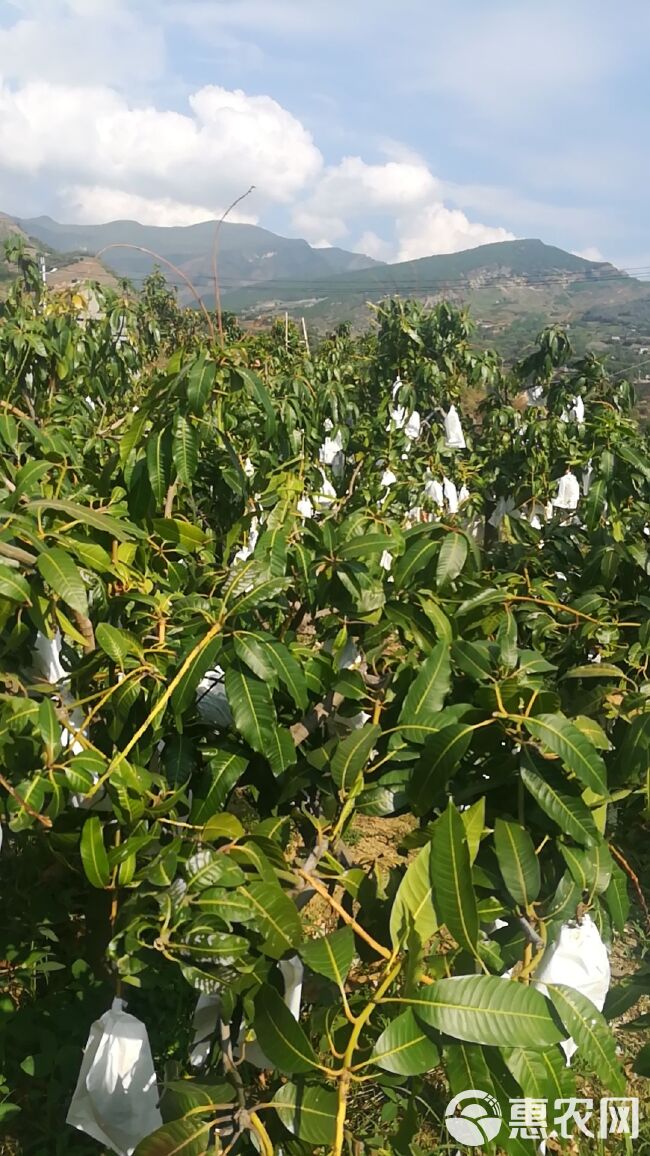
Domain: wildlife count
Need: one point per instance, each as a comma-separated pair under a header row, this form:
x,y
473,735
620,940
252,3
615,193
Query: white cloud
x,y
372,245
82,42
351,184
406,192
93,138
69,129
90,204
591,253
355,189
437,229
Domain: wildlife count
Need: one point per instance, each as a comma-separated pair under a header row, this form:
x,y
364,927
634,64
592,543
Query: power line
x,y
331,286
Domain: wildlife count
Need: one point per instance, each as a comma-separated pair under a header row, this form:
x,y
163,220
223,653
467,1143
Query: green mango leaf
x,y
225,769
308,1112
485,1009
565,902
159,463
633,754
442,754
289,672
518,862
331,955
188,1137
281,750
623,996
531,662
413,561
254,652
413,903
478,601
364,546
32,794
475,658
593,731
185,449
558,735
568,811
50,728
642,1062
466,1068
29,476
428,691
437,617
507,641
93,853
208,868
118,528
352,754
595,502
200,383
188,1094
586,1025
133,433
208,983
595,670
116,643
184,535
83,770
257,390
249,590
541,1075
617,898
452,558
90,554
252,707
474,823
276,916
13,586
62,575
205,944
591,868
404,1048
451,878
224,826
271,550
280,1036
184,693
228,906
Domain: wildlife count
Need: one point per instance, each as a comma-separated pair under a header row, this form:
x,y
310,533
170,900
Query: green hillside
x,y
512,288
247,254
529,263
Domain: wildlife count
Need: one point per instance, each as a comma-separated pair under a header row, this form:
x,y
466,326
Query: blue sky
x,y
398,128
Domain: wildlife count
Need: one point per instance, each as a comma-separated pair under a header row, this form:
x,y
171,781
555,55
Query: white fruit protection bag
x,y
577,958
116,1097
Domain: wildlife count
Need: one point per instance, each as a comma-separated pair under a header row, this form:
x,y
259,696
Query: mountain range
x,y
513,288
246,254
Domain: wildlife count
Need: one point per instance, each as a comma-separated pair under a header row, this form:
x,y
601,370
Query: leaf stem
x,y
345,1076
160,705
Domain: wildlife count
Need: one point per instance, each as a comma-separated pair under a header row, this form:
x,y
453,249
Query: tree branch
x,y
17,554
316,717
86,630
